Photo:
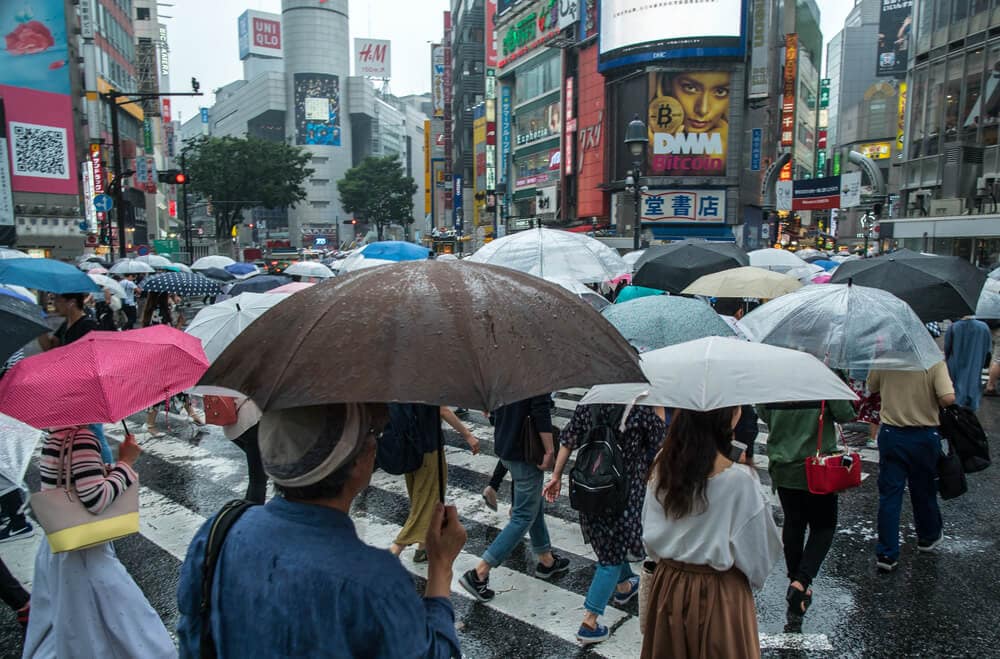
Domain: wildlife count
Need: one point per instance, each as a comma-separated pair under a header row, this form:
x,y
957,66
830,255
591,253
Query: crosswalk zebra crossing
x,y
184,481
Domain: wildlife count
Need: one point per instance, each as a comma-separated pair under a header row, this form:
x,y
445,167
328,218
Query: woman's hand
x,y
553,487
129,451
473,443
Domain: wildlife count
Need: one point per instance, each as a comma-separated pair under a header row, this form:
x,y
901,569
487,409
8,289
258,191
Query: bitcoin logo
x,y
665,115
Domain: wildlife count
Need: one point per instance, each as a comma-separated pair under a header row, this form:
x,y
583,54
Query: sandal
x,y
799,601
420,556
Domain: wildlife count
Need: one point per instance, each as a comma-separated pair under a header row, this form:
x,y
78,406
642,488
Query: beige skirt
x,y
697,612
422,486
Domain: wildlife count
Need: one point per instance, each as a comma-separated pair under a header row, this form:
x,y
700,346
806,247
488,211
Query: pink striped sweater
x,y
95,484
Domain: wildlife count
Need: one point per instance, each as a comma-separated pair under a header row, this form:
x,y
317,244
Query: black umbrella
x,y
673,268
936,287
257,284
20,322
217,274
181,283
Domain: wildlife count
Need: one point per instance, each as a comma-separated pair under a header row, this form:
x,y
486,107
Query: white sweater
x,y
736,529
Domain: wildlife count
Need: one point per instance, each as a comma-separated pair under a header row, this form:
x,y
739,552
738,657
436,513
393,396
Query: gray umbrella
x,y
654,322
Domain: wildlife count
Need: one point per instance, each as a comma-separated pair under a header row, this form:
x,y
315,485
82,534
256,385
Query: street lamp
x,y
636,140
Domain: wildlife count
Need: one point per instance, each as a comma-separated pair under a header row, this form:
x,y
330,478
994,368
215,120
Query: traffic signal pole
x,y
185,217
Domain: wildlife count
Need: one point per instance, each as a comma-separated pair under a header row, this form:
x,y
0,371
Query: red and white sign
x,y
165,112
97,173
492,55
372,58
259,34
172,208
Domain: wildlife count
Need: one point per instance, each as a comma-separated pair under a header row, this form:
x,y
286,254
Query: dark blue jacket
x,y
509,421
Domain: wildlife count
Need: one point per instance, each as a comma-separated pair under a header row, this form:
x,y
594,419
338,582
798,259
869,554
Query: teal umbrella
x,y
635,292
651,323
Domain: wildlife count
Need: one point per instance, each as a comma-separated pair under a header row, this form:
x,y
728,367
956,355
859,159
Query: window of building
x,y
925,12
537,78
991,97
961,11
942,14
935,98
952,97
916,102
971,114
142,13
979,6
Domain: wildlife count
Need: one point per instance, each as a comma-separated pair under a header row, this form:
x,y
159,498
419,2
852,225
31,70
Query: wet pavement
x,y
934,605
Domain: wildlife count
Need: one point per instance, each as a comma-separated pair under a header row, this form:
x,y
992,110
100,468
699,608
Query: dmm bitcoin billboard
x,y
688,123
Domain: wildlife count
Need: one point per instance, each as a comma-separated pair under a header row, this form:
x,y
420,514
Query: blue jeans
x,y
606,578
907,455
528,515
106,455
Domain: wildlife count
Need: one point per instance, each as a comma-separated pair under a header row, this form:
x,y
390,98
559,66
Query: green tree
x,y
236,173
378,192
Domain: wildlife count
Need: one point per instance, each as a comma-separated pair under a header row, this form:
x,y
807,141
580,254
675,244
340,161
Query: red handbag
x,y
220,410
833,472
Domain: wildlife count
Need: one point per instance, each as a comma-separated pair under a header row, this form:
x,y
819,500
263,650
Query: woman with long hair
x,y
709,529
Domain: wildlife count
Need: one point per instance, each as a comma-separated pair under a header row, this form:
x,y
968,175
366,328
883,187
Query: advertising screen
x,y
35,86
317,109
689,123
538,123
635,31
894,30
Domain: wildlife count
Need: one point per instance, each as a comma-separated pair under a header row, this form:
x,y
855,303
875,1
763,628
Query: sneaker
x,y
886,564
559,565
620,598
478,589
588,636
8,533
872,444
928,546
420,556
490,497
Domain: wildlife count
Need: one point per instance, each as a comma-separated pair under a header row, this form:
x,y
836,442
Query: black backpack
x,y
963,431
597,483
399,450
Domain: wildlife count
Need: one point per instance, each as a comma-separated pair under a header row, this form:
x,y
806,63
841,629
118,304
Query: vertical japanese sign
x,y
505,130
492,56
97,172
427,167
88,196
448,139
458,204
165,112
759,52
147,135
437,80
788,96
901,118
569,138
756,142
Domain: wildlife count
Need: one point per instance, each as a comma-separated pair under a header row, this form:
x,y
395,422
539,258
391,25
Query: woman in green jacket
x,y
793,429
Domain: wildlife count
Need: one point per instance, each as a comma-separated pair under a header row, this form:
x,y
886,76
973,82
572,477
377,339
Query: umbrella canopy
x,y
395,251
99,270
175,267
596,300
107,282
427,332
217,325
258,284
821,278
714,372
779,260
46,275
358,261
937,287
214,261
87,266
844,258
154,260
635,292
744,282
131,267
8,253
994,274
988,307
552,253
18,292
650,323
805,272
17,444
446,257
632,257
673,268
102,377
809,254
853,327
181,283
292,287
20,322
218,274
310,269
826,264
241,269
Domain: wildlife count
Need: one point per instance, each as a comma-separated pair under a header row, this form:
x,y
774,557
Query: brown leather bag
x,y
220,410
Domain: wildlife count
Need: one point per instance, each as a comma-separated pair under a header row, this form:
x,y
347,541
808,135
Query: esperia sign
x,y
530,31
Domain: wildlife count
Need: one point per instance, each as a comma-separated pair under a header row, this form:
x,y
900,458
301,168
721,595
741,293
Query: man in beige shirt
x,y
909,446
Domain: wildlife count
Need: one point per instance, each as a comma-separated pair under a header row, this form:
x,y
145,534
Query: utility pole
x,y
185,216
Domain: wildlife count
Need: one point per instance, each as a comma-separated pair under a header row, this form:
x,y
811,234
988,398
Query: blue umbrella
x,y
258,284
46,275
395,250
635,292
654,322
826,264
241,268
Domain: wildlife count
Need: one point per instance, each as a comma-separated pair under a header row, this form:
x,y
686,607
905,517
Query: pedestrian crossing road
x,y
187,475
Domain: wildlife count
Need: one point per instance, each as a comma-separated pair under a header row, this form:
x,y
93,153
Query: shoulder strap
x,y
224,521
819,435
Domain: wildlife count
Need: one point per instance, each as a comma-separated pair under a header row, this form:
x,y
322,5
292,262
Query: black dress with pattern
x,y
619,538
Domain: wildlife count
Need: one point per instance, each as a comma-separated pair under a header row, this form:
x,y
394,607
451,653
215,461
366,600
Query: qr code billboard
x,y
39,151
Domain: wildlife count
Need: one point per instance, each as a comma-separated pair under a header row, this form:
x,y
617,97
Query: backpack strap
x,y
217,533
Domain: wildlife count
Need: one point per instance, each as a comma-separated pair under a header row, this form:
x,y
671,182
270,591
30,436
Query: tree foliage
x,y
236,174
378,192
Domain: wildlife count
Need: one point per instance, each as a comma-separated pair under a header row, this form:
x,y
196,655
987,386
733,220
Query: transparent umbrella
x,y
851,327
552,253
778,260
988,307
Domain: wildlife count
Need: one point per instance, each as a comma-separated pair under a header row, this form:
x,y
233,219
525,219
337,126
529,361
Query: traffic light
x,y
195,85
173,177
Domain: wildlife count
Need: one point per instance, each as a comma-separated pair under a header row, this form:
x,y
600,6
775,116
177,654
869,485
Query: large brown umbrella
x,y
435,332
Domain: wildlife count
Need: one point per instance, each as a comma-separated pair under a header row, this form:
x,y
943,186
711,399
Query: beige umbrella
x,y
744,282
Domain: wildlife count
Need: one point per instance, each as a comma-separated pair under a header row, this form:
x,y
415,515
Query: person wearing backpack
x,y
414,432
608,486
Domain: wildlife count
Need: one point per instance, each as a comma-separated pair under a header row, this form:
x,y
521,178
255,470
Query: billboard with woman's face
x,y
688,123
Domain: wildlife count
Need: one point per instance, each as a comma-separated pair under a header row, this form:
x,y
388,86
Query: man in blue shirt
x,y
294,580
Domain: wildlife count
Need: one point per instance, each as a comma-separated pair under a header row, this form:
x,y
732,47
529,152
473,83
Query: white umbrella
x,y
131,267
309,269
779,260
717,372
988,307
154,260
357,261
108,283
100,270
632,257
87,266
447,257
219,324
215,261
747,281
844,258
8,253
596,300
552,253
17,444
805,272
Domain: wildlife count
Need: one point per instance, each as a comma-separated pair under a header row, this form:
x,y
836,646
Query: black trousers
x,y
815,512
257,488
12,592
131,313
